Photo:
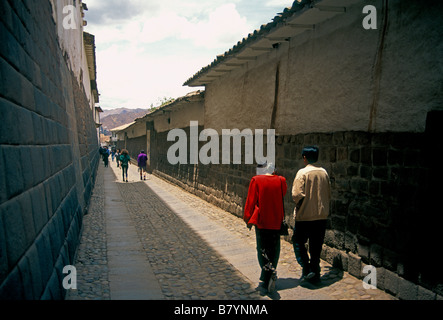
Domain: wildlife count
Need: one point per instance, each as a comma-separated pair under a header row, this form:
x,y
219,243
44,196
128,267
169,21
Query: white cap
x,y
266,168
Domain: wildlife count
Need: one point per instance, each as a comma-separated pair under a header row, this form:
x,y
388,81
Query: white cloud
x,y
146,50
279,3
135,78
222,29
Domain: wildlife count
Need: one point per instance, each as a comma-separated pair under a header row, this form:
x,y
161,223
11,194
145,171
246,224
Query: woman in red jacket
x,y
264,209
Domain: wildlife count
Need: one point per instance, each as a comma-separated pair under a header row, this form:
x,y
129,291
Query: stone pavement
x,y
152,240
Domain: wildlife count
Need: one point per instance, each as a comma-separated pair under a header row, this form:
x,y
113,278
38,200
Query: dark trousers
x,y
268,251
125,172
314,231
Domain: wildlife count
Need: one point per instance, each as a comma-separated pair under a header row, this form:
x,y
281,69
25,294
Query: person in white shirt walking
x,y
311,192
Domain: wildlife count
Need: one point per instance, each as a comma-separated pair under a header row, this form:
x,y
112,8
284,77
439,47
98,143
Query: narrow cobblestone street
x,y
152,240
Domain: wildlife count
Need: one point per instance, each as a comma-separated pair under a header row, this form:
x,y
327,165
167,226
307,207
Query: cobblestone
x,y
185,264
91,261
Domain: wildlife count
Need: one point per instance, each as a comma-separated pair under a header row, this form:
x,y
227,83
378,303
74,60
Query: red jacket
x,y
264,204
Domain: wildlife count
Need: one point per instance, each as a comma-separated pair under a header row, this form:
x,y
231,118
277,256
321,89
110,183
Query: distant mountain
x,y
117,117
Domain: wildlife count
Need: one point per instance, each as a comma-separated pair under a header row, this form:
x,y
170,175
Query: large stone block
x,y
425,294
45,258
35,272
24,269
12,287
72,238
27,217
363,252
27,168
9,81
390,259
3,255
37,164
53,289
9,130
407,290
3,191
16,243
13,171
42,103
354,265
376,255
67,212
10,48
56,234
350,242
39,208
391,282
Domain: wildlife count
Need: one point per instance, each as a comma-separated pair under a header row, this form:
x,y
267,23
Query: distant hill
x,y
117,117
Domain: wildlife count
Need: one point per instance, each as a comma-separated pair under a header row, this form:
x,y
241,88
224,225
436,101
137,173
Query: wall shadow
x,y
185,265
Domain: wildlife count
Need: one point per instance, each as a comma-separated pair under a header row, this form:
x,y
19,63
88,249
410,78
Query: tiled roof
x,y
264,29
192,96
302,16
123,127
89,42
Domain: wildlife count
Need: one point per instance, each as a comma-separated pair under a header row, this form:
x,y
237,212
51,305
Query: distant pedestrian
x,y
113,153
105,155
142,162
264,209
311,193
117,157
124,163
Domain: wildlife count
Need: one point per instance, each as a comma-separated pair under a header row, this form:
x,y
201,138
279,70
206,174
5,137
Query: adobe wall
x,y
363,80
372,102
48,153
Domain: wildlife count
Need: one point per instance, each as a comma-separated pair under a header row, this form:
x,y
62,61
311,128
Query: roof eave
x,y
301,17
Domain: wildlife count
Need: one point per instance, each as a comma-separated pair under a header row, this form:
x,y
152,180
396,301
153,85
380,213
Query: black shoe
x,y
315,279
307,274
271,284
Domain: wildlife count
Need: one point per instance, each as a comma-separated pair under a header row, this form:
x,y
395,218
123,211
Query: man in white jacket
x,y
312,193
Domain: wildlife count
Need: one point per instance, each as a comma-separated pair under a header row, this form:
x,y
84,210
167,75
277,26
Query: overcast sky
x,y
147,49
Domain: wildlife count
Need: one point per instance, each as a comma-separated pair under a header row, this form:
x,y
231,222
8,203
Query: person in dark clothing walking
x,y
124,163
105,156
117,157
142,160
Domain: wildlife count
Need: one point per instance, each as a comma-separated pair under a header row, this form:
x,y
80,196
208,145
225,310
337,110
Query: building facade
x,y
48,143
360,79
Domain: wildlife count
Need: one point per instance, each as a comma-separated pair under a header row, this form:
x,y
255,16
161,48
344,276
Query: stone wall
x,y
370,99
382,184
134,146
48,154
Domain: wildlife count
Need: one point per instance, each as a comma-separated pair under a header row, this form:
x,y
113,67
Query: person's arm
x,y
298,189
284,185
251,201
